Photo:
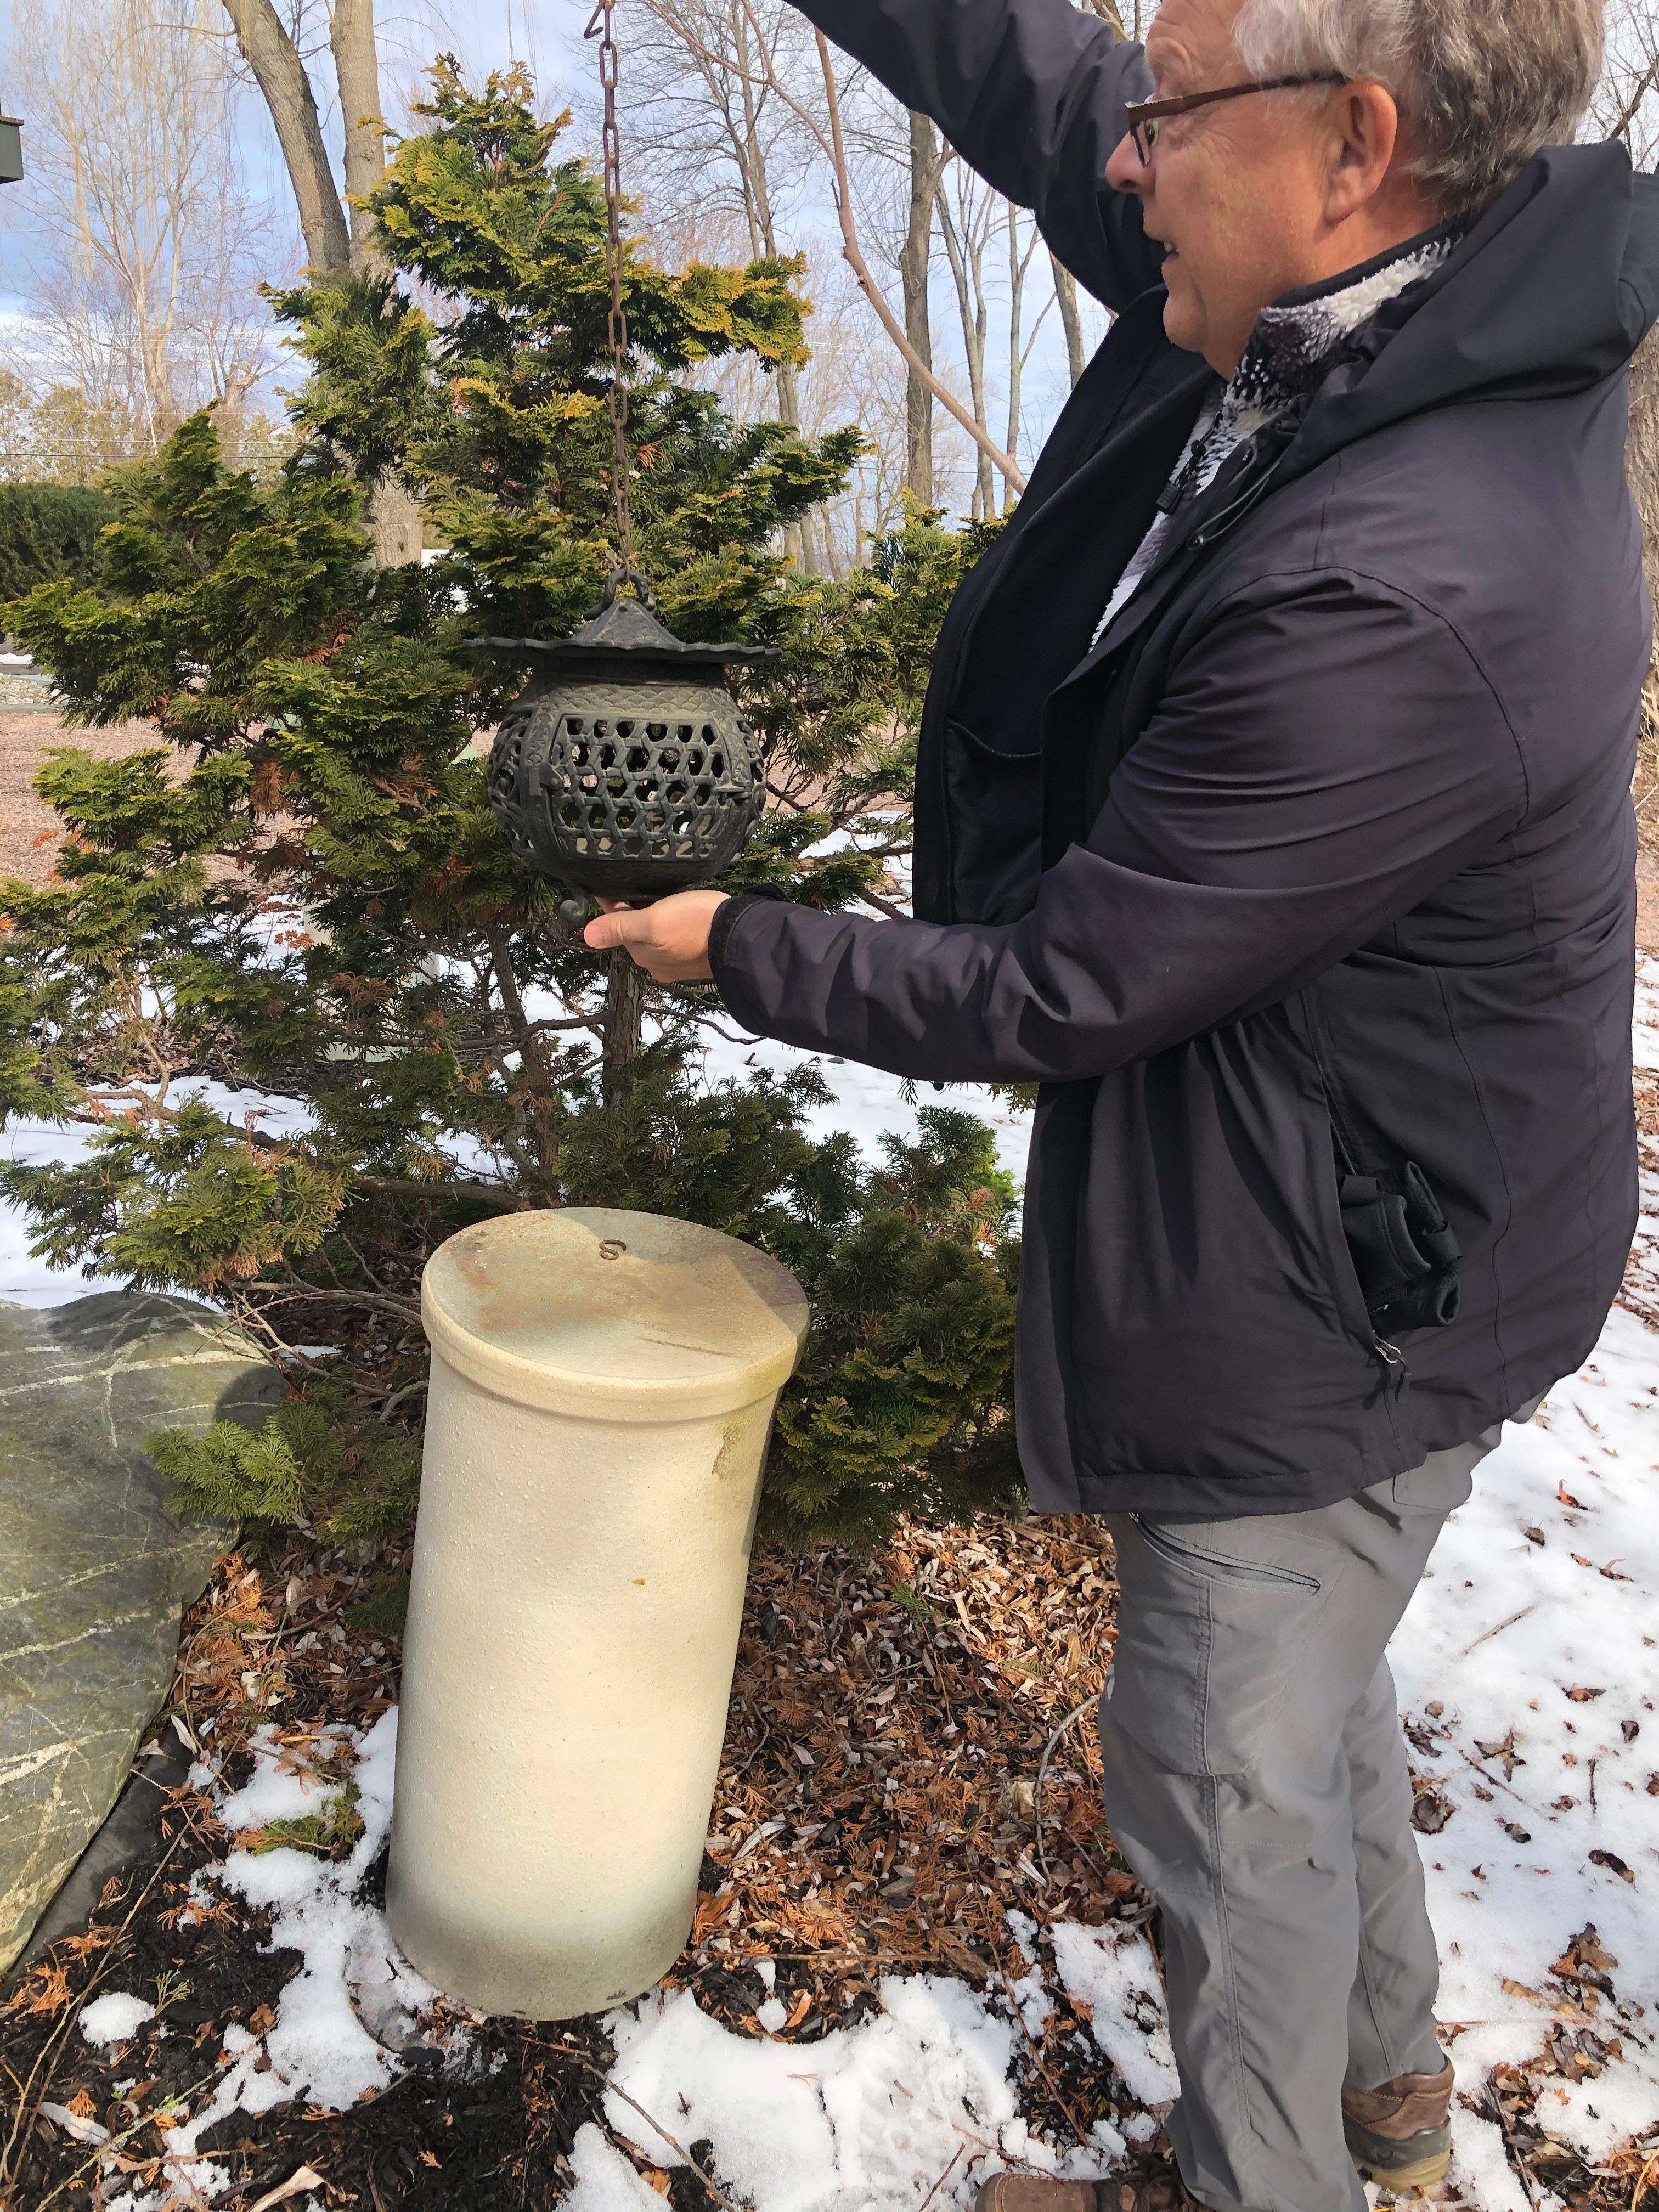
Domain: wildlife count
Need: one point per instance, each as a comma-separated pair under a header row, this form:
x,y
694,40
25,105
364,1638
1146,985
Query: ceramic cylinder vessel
x,y
602,1389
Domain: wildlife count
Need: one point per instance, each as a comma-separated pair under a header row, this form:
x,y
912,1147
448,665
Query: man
x,y
1274,812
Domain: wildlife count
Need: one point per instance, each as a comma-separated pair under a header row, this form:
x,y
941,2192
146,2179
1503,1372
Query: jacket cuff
x,y
728,916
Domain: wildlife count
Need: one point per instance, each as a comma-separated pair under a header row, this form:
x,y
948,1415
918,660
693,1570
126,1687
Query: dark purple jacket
x,y
1322,861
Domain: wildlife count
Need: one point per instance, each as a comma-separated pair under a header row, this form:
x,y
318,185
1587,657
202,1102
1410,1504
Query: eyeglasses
x,y
1146,116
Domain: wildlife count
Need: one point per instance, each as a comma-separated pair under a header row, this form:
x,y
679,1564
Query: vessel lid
x,y
615,1316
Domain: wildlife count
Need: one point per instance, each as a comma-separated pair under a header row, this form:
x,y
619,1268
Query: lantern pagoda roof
x,y
624,631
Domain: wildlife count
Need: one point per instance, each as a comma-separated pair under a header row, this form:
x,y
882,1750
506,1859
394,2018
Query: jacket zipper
x,y
1395,1371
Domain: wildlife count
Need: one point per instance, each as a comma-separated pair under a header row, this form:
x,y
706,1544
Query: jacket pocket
x,y
995,806
1208,1641
1198,1561
1404,1251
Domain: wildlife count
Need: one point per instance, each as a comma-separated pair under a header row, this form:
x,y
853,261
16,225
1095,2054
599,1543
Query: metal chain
x,y
600,27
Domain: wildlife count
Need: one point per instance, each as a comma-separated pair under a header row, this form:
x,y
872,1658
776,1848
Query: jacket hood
x,y
1550,291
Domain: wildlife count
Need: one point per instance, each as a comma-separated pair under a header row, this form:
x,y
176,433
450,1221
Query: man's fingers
x,y
622,927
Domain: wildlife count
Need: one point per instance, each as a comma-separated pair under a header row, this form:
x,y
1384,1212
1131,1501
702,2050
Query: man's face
x,y
1235,191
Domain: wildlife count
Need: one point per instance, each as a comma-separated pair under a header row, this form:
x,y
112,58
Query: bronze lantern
x,y
624,767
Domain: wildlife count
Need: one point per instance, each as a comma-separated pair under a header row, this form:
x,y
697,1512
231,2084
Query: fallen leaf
x,y
1564,1496
1581,1696
303,2177
1430,1810
74,2124
1613,1864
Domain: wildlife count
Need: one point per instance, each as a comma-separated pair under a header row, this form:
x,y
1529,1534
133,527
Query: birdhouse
x,y
11,149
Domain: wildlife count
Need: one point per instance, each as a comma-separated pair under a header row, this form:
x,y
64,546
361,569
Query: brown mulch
x,y
876,1813
30,830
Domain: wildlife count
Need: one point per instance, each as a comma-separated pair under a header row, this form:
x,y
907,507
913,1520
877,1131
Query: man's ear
x,y
1365,130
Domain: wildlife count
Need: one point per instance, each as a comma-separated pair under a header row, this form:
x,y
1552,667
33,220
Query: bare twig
x,y
943,2178
1077,2129
1498,1631
854,254
1644,85
404,1308
1074,1716
834,151
24,2115
656,2125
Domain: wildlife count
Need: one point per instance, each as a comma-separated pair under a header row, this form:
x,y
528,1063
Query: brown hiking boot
x,y
1158,2189
1400,2134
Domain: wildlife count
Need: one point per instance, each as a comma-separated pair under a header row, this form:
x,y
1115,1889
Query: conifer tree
x,y
301,887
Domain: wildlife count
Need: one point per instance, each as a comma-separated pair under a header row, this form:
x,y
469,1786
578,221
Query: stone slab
x,y
93,1570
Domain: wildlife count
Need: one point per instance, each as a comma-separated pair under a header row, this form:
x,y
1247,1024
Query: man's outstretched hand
x,y
670,940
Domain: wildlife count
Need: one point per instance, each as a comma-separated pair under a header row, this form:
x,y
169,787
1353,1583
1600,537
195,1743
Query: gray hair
x,y
1482,83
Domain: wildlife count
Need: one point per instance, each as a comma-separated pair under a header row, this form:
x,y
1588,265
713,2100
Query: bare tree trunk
x,y
332,249
918,326
1018,263
620,1027
271,54
750,155
1071,318
356,65
966,257
394,520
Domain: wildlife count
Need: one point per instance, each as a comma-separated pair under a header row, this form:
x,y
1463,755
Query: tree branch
x,y
834,150
1644,85
866,283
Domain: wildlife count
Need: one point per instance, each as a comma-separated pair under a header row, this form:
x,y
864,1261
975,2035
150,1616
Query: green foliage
x,y
47,532
331,1832
319,1461
903,1401
383,1613
301,885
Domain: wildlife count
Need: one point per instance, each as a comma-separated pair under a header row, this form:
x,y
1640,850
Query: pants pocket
x,y
1208,1642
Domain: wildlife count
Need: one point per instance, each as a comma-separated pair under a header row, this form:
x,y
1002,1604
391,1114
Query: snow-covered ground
x,y
1528,1670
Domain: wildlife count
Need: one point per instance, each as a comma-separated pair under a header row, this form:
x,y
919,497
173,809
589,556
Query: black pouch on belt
x,y
1403,1251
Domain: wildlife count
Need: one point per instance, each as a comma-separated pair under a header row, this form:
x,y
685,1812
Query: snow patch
x,y
868,2119
1112,1971
113,2018
355,2002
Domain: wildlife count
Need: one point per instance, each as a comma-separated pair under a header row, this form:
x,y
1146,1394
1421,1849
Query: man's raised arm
x,y
1031,94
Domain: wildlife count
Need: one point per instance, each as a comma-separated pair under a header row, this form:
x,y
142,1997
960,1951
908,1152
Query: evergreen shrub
x,y
47,530
299,886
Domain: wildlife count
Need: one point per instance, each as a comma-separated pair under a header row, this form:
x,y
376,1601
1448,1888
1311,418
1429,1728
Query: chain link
x,y
600,27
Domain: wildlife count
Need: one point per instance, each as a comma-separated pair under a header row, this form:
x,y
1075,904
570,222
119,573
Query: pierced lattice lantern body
x,y
624,767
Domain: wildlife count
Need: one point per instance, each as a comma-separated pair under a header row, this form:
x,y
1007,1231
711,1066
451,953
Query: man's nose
x,y
1125,170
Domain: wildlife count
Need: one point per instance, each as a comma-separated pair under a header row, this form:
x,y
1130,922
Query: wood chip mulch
x,y
877,1812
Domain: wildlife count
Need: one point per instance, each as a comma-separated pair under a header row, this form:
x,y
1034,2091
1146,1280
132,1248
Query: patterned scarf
x,y
1288,355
